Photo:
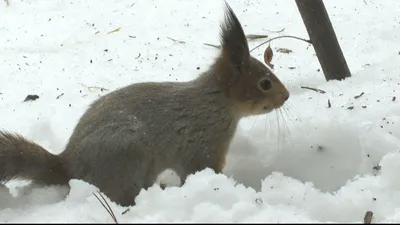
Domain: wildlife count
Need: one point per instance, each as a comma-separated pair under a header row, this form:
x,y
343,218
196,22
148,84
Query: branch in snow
x,y
314,89
108,208
178,41
357,96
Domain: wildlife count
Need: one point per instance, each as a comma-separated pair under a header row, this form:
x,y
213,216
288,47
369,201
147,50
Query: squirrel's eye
x,y
265,84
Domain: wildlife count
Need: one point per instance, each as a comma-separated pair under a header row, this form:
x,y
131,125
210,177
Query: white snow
x,y
276,171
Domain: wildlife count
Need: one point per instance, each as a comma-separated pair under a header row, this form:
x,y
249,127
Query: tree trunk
x,y
323,39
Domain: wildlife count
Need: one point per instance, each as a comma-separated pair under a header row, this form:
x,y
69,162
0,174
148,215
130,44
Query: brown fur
x,y
128,137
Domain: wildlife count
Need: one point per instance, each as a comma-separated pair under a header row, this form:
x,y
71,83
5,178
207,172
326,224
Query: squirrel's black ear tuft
x,y
233,40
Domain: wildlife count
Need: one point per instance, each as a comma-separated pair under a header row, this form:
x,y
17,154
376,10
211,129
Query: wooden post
x,y
323,39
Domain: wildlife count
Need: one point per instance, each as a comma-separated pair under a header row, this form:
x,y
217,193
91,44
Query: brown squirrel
x,y
128,137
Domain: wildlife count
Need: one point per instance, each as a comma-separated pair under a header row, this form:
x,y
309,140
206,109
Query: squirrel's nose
x,y
286,95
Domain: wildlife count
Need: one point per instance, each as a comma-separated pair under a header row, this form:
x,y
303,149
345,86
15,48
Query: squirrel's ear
x,y
233,40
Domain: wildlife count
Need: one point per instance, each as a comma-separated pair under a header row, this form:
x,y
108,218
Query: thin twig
x,y
284,50
93,88
138,56
256,36
249,36
108,208
357,96
279,31
174,40
127,210
284,36
215,46
115,30
314,89
59,96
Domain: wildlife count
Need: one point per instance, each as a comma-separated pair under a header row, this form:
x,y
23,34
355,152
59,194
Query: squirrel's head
x,y
251,85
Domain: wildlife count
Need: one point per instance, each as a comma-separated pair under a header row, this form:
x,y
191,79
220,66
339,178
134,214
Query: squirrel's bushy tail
x,y
23,159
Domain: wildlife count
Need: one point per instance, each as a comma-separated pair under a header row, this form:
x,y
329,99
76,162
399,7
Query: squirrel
x,y
129,136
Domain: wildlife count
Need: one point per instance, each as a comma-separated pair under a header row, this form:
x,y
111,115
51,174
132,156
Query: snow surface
x,y
304,163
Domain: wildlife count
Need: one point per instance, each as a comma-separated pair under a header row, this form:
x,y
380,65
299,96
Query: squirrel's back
x,y
165,119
